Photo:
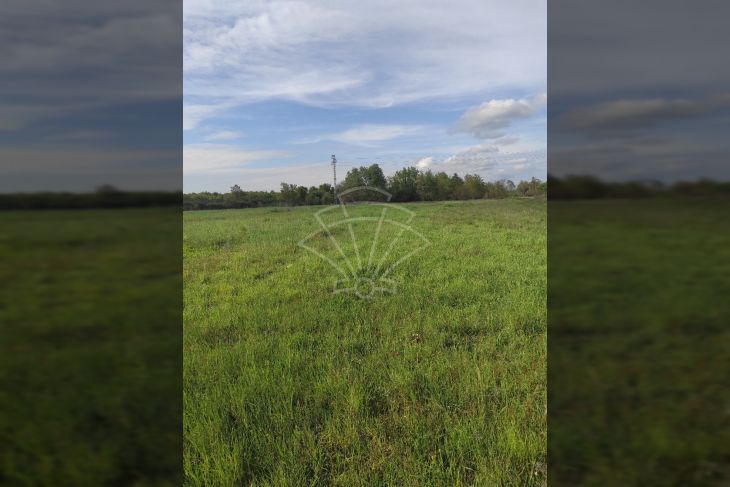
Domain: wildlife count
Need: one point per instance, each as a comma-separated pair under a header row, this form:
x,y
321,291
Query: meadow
x,y
90,355
639,343
441,382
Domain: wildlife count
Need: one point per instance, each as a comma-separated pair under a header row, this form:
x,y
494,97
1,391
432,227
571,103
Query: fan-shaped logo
x,y
365,238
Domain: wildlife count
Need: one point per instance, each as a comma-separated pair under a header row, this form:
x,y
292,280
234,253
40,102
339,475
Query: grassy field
x,y
639,342
90,355
442,382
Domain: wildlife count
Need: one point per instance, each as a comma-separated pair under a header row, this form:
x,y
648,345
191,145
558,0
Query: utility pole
x,y
334,173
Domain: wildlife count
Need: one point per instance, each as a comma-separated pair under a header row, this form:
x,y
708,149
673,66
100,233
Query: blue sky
x,y
272,89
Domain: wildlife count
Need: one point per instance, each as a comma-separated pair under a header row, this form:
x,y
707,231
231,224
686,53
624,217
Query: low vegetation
x,y
441,383
639,343
90,355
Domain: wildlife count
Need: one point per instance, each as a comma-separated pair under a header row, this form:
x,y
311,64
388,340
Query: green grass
x,y
441,383
90,355
639,342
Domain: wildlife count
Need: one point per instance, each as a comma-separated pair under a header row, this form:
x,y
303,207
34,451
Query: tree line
x,y
104,197
590,187
407,184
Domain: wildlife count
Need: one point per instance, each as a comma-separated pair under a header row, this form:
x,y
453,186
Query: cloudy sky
x,y
91,94
272,89
639,90
91,91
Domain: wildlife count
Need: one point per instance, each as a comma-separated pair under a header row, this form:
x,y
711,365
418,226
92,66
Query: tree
x,y
289,193
301,195
523,188
403,184
373,176
457,187
426,186
443,186
365,176
236,189
327,194
370,176
533,186
313,197
319,195
495,190
473,186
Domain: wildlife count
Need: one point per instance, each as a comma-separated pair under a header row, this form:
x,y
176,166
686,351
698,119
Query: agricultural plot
x,y
440,382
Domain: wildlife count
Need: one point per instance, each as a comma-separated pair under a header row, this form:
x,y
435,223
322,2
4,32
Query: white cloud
x,y
625,115
251,30
478,154
224,135
217,157
193,114
506,140
364,54
489,119
482,149
424,163
88,53
373,133
488,161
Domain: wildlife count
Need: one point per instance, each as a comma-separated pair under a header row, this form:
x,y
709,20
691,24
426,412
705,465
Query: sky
x,y
91,94
639,90
272,89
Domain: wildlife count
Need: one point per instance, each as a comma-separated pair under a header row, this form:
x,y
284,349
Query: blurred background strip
x,y
638,239
90,243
